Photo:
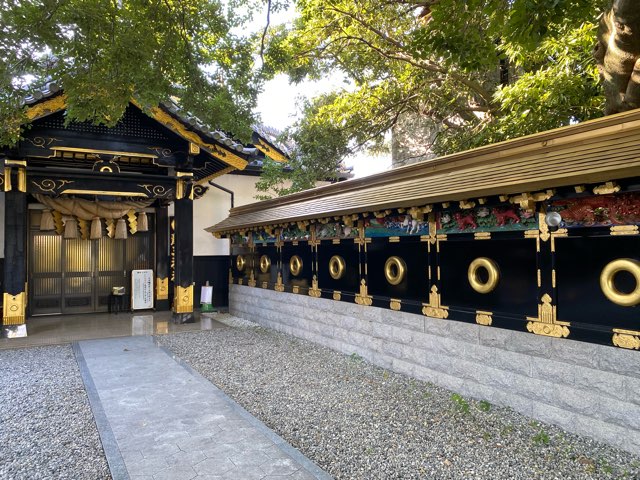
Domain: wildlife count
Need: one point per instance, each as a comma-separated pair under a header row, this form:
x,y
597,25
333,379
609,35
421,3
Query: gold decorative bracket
x,y
434,308
628,339
315,291
363,298
482,236
183,299
607,188
395,304
279,287
547,323
337,295
14,308
162,288
484,318
252,279
624,230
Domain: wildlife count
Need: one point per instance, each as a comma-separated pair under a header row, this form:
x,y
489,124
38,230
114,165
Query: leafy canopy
x,y
483,70
105,51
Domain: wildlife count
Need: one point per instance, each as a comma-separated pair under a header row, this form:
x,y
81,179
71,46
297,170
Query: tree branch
x,y
264,33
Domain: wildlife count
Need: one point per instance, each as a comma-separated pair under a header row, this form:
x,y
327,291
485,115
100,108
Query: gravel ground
x,y
47,429
356,420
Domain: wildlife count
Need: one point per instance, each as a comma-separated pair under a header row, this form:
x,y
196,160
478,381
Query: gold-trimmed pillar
x,y
162,258
183,284
14,317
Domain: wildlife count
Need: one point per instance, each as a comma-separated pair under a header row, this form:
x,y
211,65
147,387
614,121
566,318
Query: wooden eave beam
x,y
596,151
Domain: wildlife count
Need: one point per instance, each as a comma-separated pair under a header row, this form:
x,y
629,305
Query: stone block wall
x,y
588,389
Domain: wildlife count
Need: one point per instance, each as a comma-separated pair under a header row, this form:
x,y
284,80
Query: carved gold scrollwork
x,y
484,318
337,267
295,265
199,191
626,339
607,281
337,295
265,263
50,185
241,263
156,190
395,304
395,269
492,270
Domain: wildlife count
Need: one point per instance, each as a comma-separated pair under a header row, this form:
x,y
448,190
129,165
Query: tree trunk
x,y
617,54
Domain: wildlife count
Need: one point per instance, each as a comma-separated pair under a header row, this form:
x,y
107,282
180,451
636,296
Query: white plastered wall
x,y
214,207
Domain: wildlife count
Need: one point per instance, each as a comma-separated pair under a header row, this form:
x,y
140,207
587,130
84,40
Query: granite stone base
x,y
587,389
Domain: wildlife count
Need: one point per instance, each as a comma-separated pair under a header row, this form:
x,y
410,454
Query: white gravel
x,y
359,421
47,429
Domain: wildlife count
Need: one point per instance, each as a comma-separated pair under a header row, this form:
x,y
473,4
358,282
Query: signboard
x,y
206,294
141,289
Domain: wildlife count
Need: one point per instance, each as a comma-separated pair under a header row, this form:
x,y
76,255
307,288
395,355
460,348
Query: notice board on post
x,y
141,289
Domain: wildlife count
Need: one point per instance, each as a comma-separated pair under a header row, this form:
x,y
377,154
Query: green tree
x,y
104,51
483,70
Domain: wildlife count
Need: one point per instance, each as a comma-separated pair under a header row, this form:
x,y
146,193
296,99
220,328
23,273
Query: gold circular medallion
x,y
607,281
492,270
265,264
295,265
241,262
337,267
395,270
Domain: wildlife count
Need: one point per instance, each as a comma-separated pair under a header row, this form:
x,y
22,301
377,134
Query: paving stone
x,y
181,472
281,467
214,466
171,423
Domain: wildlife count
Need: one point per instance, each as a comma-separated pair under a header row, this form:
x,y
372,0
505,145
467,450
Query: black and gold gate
x,y
76,275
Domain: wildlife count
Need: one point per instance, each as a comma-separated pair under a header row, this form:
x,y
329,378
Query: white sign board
x,y
206,294
141,289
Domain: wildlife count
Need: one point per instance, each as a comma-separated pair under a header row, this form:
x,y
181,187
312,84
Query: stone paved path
x,y
158,419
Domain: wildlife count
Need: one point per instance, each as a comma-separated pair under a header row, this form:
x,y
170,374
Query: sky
x,y
277,105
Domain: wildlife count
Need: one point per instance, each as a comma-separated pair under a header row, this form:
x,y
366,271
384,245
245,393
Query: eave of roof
x,y
51,99
263,143
595,151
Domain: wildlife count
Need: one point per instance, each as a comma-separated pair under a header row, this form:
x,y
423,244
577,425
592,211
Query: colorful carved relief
x,y
335,230
486,219
263,236
238,239
598,211
294,232
396,226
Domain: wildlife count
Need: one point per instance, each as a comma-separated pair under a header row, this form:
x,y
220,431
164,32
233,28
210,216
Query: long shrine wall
x,y
586,388
489,300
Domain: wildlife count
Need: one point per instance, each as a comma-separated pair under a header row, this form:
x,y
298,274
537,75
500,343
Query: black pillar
x,y
183,284
162,258
15,240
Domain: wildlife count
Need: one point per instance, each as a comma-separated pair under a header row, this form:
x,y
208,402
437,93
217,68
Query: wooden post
x,y
183,285
162,258
15,240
